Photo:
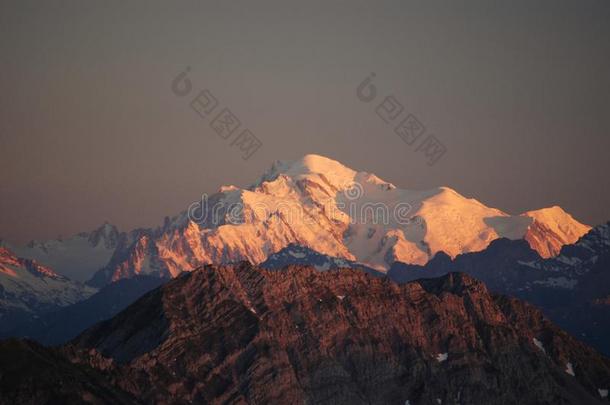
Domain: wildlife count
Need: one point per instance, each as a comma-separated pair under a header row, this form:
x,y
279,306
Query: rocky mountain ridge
x,y
235,334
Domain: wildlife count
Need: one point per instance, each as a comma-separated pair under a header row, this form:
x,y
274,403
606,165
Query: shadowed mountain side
x,y
33,374
65,324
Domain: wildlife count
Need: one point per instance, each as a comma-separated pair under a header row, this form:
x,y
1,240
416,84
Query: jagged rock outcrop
x,y
239,334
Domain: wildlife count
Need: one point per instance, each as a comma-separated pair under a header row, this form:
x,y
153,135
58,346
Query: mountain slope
x,y
33,374
28,289
321,204
573,289
29,286
64,324
238,334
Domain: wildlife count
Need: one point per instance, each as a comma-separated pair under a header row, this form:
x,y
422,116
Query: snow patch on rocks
x,y
570,369
539,345
442,357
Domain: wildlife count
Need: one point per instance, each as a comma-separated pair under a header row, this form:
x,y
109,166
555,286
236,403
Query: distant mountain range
x,y
313,202
317,284
28,288
572,288
77,257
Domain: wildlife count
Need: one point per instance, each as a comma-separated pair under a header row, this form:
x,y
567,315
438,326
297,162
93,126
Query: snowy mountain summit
x,y
332,209
27,286
77,257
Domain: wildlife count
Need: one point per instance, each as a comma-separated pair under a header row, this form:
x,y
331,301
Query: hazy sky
x,y
518,92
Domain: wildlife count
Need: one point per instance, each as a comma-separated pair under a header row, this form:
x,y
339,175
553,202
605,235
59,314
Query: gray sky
x,y
518,92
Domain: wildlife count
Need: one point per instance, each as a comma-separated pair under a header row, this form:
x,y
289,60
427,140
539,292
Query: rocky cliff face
x,y
238,334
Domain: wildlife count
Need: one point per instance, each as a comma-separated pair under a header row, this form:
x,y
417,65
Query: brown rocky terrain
x,y
239,334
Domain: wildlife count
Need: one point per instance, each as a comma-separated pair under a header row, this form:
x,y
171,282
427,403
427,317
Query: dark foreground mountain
x,y
572,289
33,374
238,334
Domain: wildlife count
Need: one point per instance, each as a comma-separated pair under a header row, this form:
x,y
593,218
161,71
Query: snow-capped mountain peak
x,y
321,204
315,202
76,257
107,234
551,229
560,222
314,166
28,286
